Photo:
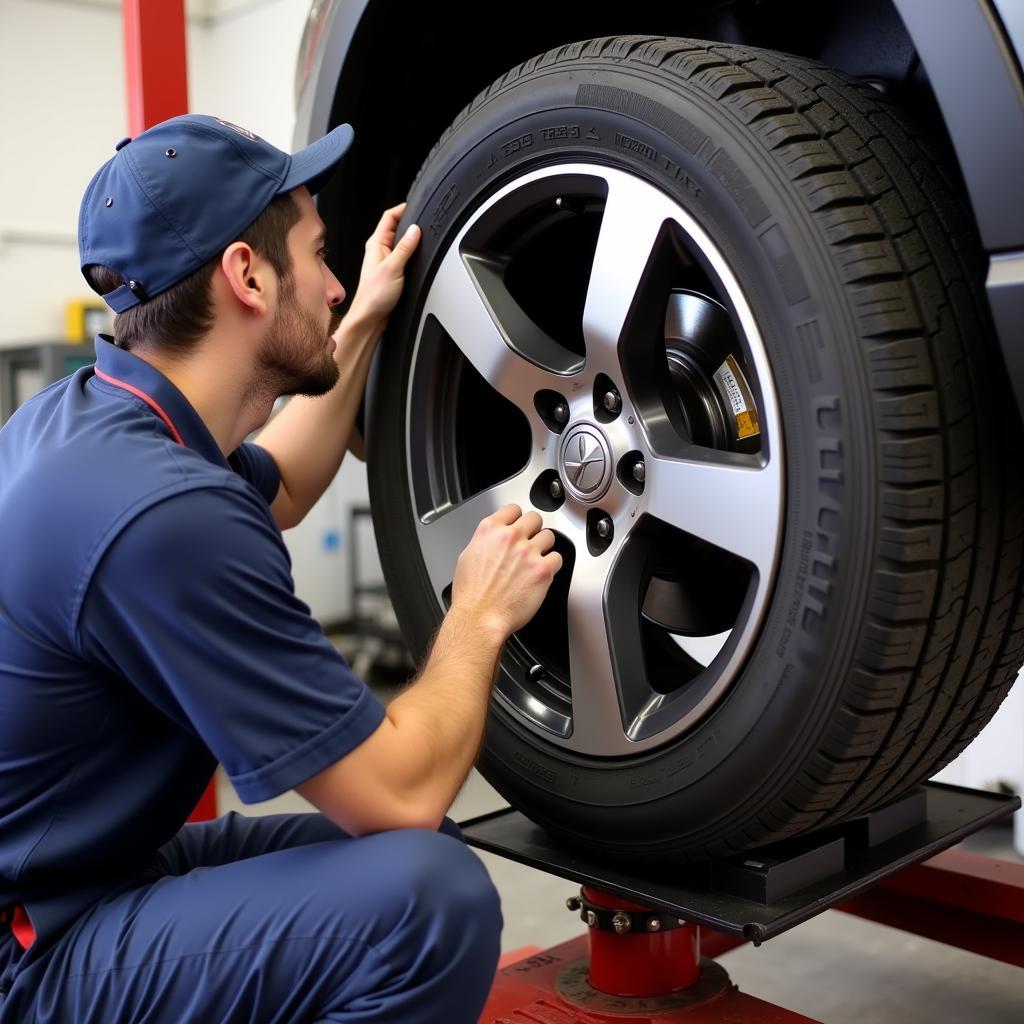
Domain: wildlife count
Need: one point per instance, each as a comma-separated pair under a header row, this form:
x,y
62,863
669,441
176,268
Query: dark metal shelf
x,y
26,369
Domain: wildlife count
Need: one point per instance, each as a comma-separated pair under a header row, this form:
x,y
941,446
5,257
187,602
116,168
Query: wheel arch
x,y
401,73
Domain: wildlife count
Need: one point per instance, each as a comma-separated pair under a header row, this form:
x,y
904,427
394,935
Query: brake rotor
x,y
719,412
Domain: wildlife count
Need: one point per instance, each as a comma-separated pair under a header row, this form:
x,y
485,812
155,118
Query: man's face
x,y
297,352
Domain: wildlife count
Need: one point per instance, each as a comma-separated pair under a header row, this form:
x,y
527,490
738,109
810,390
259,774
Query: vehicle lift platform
x,y
640,960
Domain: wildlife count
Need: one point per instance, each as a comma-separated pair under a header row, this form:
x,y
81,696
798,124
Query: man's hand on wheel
x,y
505,571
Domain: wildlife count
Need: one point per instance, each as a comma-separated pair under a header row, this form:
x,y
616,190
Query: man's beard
x,y
296,357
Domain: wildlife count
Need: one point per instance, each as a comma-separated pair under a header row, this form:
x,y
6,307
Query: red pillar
x,y
156,72
155,61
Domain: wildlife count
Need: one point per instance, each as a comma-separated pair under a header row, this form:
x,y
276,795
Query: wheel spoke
x,y
633,217
444,533
733,503
596,715
461,306
605,660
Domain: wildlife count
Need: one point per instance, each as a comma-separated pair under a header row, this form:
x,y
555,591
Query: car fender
x,y
981,110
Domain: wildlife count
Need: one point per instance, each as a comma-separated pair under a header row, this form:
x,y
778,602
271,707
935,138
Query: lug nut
x,y
639,471
591,919
603,527
561,413
556,490
654,925
612,401
535,672
574,903
622,923
559,201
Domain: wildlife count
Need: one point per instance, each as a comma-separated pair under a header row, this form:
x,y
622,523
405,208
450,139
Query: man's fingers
x,y
553,560
390,218
545,540
406,245
387,222
530,524
384,232
506,515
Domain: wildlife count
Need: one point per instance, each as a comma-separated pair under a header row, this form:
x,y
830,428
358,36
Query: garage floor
x,y
836,969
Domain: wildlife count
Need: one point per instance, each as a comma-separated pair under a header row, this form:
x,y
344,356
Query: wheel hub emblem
x,y
586,462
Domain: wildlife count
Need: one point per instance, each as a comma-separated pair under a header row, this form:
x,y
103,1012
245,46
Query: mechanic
x,y
149,629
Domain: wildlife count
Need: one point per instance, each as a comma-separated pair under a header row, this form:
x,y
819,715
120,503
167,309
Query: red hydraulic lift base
x,y
553,988
962,899
965,900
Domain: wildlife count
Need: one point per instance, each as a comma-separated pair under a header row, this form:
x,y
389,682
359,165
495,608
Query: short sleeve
x,y
193,605
256,466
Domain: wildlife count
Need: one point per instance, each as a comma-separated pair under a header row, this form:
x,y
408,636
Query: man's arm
x,y
407,773
308,438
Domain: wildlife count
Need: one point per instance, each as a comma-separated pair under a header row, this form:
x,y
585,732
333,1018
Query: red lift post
x,y
156,65
156,69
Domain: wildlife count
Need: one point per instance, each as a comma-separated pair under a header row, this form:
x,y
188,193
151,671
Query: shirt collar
x,y
137,373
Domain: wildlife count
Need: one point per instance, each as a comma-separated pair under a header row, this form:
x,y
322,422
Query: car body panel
x,y
981,110
316,97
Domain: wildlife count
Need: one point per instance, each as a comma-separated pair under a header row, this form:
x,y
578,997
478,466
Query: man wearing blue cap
x,y
149,629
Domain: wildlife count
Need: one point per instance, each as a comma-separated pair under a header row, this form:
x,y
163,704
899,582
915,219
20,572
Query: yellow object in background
x,y
84,319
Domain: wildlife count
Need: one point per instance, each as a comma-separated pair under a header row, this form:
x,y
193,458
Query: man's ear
x,y
246,276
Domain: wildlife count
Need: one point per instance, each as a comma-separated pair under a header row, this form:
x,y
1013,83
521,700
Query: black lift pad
x,y
763,892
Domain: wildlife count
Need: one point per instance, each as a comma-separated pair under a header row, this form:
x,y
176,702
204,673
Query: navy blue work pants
x,y
275,920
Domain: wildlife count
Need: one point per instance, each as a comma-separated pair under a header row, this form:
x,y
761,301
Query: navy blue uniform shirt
x,y
148,629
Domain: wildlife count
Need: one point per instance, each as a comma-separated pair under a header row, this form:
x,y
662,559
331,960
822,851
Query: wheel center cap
x,y
585,462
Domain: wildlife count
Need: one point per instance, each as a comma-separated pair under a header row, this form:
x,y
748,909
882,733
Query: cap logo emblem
x,y
252,136
585,462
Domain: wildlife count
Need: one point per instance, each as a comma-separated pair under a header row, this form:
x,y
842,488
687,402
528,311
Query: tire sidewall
x,y
767,725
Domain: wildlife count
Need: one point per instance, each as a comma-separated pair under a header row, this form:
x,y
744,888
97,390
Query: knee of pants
x,y
449,891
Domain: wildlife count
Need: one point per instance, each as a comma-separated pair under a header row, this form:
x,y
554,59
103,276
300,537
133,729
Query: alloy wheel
x,y
585,349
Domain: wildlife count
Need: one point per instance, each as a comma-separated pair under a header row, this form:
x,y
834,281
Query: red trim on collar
x,y
22,928
151,402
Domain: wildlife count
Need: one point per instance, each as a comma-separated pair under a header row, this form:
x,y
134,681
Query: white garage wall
x,y
62,108
244,69
997,756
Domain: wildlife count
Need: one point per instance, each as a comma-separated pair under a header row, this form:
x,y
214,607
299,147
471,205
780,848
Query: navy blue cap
x,y
169,200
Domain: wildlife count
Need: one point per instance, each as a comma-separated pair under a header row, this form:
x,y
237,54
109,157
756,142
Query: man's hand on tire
x,y
383,271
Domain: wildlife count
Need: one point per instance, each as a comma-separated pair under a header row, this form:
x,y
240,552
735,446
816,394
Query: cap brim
x,y
314,165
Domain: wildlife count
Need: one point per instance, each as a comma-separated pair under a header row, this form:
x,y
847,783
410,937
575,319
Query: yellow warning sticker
x,y
733,387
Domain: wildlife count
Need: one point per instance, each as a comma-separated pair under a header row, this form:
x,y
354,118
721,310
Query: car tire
x,y
844,508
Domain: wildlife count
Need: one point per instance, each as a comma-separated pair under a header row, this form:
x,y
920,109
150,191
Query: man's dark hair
x,y
175,320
